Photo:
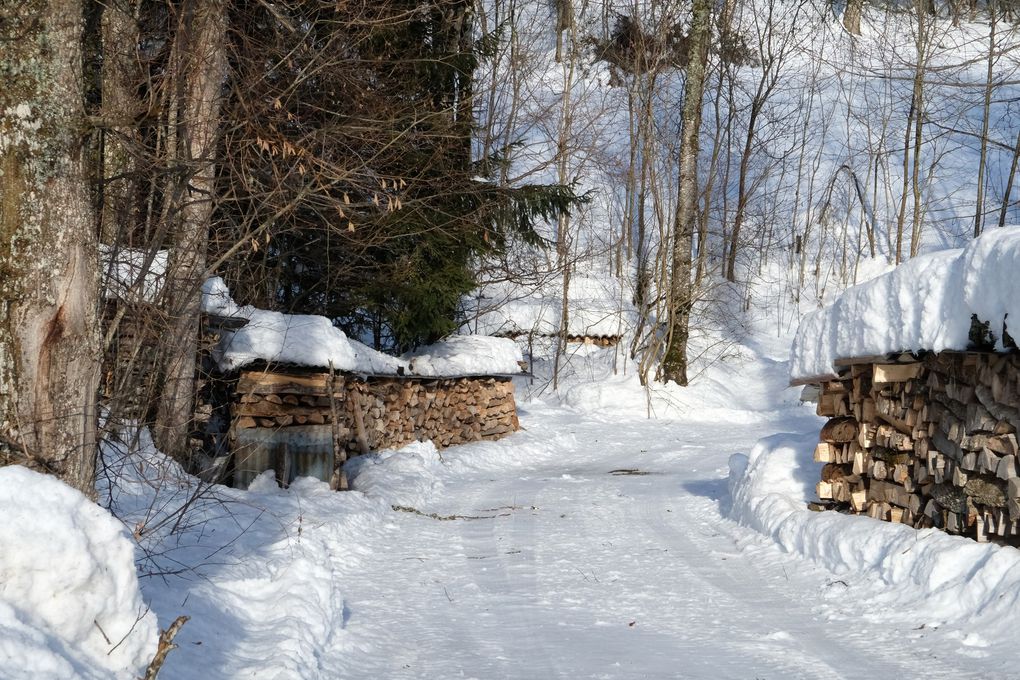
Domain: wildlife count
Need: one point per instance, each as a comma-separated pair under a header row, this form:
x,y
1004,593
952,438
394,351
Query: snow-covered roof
x,y
313,341
924,304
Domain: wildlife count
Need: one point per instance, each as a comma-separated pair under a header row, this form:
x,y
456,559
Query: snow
x,y
928,576
301,339
924,304
70,605
626,531
466,355
308,340
595,543
594,307
130,273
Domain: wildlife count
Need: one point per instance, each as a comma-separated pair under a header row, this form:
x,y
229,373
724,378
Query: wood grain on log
x,y
839,430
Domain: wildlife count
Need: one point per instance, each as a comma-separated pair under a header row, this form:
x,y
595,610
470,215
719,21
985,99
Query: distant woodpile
x,y
596,340
582,339
290,421
929,442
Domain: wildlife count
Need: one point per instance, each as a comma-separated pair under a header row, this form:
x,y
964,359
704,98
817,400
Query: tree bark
x,y
986,110
1004,210
852,16
200,57
121,139
681,294
49,335
915,174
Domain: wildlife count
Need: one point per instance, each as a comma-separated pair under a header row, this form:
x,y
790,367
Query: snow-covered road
x,y
599,551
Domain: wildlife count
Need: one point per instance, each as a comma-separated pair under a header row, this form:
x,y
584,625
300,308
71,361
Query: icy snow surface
x,y
925,303
70,606
308,340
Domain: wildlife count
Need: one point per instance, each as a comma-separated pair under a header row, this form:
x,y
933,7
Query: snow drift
x,y
931,577
70,606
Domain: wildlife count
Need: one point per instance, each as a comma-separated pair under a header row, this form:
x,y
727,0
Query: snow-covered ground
x,y
595,543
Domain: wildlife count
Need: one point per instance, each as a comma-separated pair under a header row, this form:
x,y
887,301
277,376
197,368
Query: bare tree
x,y
681,294
979,202
776,31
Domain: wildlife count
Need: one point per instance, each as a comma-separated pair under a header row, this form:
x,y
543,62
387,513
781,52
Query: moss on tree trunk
x,y
49,338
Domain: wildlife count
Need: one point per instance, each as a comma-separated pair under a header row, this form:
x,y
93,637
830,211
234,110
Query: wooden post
x,y
338,482
359,421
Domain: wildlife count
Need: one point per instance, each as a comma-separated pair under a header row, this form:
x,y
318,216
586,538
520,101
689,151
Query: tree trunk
x,y
121,212
915,174
563,238
1004,210
852,16
742,190
49,335
979,209
201,60
681,294
901,215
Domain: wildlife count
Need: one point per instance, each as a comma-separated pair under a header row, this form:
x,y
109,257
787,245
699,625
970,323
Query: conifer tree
x,y
349,166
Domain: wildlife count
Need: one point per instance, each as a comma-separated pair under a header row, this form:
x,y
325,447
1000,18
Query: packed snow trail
x,y
600,552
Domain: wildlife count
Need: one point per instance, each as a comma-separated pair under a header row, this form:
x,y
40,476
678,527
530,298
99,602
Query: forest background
x,y
407,169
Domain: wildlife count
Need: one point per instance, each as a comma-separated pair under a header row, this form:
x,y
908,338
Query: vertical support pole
x,y
338,482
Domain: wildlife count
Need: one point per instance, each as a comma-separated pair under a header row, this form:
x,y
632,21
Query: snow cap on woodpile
x,y
924,304
467,355
313,341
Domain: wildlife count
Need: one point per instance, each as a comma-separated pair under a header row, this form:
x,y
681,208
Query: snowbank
x,y
591,317
70,606
929,575
925,303
307,340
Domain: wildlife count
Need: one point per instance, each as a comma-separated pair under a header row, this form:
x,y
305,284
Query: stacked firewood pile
x,y
379,412
131,360
930,442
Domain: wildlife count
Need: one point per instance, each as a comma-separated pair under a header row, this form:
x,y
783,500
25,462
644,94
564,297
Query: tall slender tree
x,y
681,293
200,69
